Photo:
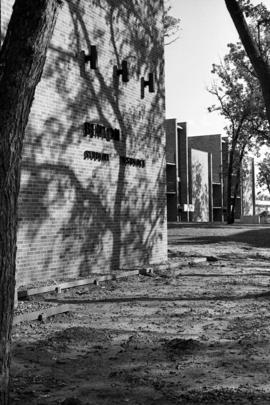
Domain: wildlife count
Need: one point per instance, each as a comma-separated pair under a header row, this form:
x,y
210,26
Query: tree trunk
x,y
22,60
261,66
233,200
230,219
236,187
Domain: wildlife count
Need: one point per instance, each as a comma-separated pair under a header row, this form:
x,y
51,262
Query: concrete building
x,y
212,146
93,184
197,169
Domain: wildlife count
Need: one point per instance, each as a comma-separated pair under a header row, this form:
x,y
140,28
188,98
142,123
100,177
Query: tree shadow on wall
x,y
94,215
200,194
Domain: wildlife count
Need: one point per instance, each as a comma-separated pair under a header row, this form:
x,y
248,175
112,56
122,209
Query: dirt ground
x,y
197,334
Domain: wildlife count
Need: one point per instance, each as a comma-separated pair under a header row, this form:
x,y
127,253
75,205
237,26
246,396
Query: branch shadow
x,y
79,355
92,216
200,194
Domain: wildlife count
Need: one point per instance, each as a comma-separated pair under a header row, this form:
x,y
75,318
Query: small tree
x,y
264,172
22,59
240,102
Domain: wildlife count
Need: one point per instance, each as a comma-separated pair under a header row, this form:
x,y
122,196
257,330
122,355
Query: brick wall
x,y
76,215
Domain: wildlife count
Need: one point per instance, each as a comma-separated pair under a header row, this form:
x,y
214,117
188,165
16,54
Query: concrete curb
x,y
95,279
41,314
168,266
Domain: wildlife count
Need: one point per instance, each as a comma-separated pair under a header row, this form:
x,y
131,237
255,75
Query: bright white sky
x,y
206,29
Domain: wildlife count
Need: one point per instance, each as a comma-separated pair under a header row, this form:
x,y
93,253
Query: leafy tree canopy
x,y
171,24
240,102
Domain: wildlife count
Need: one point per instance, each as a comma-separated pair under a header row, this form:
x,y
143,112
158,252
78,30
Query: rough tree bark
x,y
22,60
260,65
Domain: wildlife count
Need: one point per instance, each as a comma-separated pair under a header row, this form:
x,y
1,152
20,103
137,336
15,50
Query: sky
x,y
206,29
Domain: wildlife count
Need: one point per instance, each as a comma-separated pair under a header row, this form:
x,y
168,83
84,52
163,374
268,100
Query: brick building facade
x,y
197,168
93,184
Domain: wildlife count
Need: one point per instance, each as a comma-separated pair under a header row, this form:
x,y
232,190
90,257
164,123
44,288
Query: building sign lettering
x,y
100,131
128,161
101,157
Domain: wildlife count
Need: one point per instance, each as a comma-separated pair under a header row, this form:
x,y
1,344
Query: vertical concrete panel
x,y
210,186
200,185
211,144
248,191
183,168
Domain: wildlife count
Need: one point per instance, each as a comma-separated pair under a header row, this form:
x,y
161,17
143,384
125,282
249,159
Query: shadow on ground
x,y
115,366
255,237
